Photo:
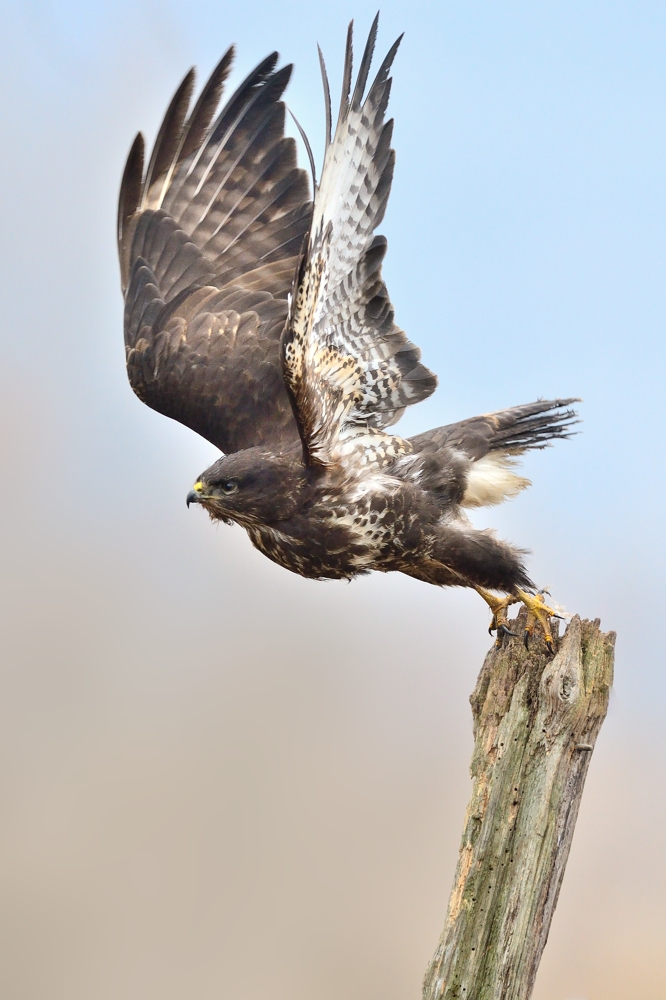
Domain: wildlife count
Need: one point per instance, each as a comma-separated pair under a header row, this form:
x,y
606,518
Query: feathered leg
x,y
479,559
465,557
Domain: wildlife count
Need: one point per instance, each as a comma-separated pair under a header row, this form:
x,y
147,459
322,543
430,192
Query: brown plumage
x,y
261,320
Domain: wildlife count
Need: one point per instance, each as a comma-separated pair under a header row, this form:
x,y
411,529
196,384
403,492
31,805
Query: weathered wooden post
x,y
536,720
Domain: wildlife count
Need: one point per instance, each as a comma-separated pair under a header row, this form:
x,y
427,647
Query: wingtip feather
x,y
347,73
364,68
130,185
327,96
169,135
382,77
204,110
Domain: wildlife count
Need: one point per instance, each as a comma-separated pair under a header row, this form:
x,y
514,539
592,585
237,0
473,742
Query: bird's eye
x,y
231,486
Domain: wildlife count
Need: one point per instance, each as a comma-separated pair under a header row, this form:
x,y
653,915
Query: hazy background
x,y
218,780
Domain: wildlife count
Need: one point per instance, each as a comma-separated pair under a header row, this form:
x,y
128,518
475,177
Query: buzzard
x,y
257,315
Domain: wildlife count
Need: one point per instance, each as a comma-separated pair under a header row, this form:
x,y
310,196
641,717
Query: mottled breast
x,y
344,535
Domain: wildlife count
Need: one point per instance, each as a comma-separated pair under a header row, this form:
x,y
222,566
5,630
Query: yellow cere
x,y
198,486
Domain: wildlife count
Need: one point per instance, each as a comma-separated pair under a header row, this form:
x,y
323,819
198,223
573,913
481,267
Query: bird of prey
x,y
257,315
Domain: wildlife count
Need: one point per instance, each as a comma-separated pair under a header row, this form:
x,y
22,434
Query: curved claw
x,y
538,615
506,631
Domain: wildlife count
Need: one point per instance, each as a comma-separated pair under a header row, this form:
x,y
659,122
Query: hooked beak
x,y
194,496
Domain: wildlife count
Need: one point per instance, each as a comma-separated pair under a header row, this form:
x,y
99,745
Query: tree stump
x,y
536,720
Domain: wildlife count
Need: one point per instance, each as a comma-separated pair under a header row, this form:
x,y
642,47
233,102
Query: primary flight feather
x,y
258,317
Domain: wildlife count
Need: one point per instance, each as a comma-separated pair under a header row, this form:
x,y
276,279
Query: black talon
x,y
506,631
526,639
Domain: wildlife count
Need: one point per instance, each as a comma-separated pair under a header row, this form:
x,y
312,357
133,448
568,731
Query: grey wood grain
x,y
536,721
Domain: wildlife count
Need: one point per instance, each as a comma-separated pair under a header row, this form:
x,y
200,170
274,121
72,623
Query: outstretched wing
x,y
209,239
350,370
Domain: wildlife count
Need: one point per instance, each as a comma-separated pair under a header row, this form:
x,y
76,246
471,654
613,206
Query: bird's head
x,y
250,487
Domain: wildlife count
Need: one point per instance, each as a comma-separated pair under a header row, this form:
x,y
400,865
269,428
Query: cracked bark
x,y
536,721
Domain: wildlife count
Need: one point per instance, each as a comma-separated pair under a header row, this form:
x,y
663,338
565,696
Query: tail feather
x,y
534,425
513,431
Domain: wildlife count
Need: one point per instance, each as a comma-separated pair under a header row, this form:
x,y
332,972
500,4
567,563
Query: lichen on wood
x,y
536,719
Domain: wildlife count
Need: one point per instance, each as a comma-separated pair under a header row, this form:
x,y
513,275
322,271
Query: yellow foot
x,y
499,607
537,611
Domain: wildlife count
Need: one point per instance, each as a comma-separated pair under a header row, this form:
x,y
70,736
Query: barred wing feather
x,y
209,238
350,370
